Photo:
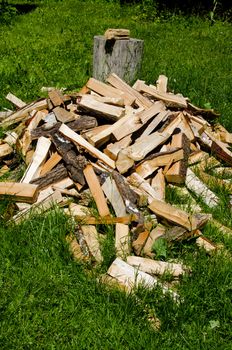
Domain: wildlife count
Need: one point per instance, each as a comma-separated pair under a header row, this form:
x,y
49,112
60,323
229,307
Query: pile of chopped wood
x,y
119,146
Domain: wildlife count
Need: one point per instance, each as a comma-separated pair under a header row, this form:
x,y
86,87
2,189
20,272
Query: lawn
x,y
47,300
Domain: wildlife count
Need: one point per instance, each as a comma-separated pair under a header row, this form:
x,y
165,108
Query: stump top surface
x,y
101,37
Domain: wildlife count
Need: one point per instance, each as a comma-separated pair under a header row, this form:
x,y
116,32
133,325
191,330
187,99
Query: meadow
x,y
48,300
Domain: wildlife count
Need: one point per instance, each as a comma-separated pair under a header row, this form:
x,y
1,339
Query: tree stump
x,y
122,57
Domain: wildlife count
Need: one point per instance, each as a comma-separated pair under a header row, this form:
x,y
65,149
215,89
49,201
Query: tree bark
x,y
74,163
84,123
53,176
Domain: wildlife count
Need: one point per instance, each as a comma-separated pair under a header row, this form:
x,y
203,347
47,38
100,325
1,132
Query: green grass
x,y
47,300
195,55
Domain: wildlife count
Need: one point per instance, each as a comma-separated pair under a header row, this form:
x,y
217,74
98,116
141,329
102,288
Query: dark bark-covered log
x,y
43,131
84,123
74,163
205,113
57,174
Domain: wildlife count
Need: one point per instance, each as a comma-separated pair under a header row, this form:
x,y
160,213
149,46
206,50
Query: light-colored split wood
x,y
123,162
5,150
118,83
27,139
177,172
92,134
172,214
128,126
64,116
132,278
73,136
156,267
36,208
151,112
19,192
112,193
161,84
15,100
106,220
122,240
79,210
50,163
194,184
112,113
75,248
141,148
137,181
112,150
92,239
11,138
109,91
129,276
158,185
206,244
197,156
149,166
56,97
23,113
65,183
96,190
154,123
115,101
38,159
169,98
139,243
117,34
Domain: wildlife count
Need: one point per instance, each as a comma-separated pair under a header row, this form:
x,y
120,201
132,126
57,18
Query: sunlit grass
x,y
48,300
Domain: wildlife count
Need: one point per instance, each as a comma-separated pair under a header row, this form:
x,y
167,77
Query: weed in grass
x,y
160,247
